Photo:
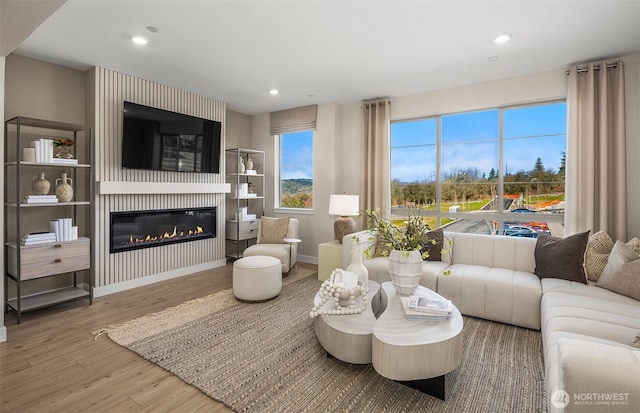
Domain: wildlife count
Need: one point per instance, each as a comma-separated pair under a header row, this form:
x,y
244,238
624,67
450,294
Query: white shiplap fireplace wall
x,y
119,189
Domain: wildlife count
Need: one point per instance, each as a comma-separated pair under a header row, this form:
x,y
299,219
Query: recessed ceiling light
x,y
153,29
139,40
493,58
502,38
274,91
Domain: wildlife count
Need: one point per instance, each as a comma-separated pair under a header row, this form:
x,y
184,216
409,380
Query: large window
x,y
484,171
296,170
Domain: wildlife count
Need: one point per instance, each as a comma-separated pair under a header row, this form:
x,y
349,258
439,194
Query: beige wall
x,y
43,90
3,330
238,130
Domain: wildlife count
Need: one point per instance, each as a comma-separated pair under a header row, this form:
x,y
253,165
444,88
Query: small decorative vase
x,y
64,190
357,267
39,185
241,167
405,268
249,162
64,153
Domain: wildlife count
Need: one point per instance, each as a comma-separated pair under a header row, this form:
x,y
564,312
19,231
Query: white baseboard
x,y
152,279
3,334
308,259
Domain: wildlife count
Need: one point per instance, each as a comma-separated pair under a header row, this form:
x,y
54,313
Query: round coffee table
x,y
416,353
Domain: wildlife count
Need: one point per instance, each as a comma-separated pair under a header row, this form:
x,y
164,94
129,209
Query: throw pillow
x,y
636,341
273,230
598,249
435,250
634,244
561,257
622,272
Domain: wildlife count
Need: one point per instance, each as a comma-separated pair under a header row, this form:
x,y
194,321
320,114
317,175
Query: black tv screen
x,y
168,141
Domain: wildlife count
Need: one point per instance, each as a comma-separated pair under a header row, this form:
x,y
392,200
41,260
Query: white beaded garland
x,y
331,289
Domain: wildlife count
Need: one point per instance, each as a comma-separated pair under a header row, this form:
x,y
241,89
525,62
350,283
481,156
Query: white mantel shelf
x,y
118,188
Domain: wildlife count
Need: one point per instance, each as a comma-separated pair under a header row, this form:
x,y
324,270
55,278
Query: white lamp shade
x,y
344,205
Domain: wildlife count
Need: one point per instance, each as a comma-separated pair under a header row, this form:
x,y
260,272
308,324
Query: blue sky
x,y
297,155
471,140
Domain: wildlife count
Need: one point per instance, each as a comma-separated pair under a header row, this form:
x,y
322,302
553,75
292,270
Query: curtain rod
x,y
586,69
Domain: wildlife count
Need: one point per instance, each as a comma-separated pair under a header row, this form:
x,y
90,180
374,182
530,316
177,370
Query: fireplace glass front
x,y
146,229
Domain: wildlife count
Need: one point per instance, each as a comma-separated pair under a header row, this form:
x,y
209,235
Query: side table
x,y
329,258
291,241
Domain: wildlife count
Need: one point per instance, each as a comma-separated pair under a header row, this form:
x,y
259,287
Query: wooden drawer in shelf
x,y
248,229
38,261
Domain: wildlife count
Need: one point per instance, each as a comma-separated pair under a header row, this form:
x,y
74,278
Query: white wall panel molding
x,y
117,187
123,189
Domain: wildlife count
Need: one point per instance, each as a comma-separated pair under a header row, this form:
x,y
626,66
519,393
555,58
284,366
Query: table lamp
x,y
345,206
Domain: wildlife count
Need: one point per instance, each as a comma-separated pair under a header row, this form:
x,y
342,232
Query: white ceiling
x,y
331,51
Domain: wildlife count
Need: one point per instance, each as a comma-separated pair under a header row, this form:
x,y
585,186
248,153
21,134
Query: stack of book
x,y
44,153
63,230
426,308
38,238
40,199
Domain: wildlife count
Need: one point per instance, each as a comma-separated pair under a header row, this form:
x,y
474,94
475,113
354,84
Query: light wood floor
x,y
52,363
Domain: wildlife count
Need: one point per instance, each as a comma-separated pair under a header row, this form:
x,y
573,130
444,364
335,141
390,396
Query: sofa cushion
x,y
622,272
595,368
493,251
561,257
591,290
273,230
434,249
598,249
497,294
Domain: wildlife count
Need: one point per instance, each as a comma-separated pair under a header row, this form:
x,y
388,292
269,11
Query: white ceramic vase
x,y
405,268
356,266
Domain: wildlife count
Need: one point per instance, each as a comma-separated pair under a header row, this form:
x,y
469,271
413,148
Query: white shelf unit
x,y
26,263
240,231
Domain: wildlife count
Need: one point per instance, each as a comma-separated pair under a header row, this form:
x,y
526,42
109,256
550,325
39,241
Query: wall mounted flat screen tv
x,y
161,140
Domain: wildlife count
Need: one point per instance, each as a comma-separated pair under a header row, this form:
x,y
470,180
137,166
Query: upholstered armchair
x,y
276,239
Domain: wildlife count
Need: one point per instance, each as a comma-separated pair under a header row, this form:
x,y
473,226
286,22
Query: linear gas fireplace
x,y
146,229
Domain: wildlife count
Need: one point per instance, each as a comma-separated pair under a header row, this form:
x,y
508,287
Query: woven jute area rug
x,y
265,357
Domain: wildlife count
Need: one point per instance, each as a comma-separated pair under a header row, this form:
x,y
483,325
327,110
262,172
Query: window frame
x,y
277,176
500,216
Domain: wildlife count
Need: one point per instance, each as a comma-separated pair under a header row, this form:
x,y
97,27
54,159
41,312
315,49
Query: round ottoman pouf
x,y
257,278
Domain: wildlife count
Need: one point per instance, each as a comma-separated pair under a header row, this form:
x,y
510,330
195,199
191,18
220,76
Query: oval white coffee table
x,y
416,353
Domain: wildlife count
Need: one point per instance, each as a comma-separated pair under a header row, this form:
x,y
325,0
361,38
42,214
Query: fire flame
x,y
166,235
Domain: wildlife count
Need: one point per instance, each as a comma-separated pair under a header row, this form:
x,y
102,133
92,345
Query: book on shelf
x,y
40,199
251,172
421,315
38,235
38,238
430,305
63,229
35,242
64,161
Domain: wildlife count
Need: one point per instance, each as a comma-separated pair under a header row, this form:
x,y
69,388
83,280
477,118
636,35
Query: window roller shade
x,y
294,120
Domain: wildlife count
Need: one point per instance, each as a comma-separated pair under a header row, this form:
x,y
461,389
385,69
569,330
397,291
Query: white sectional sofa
x,y
587,331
